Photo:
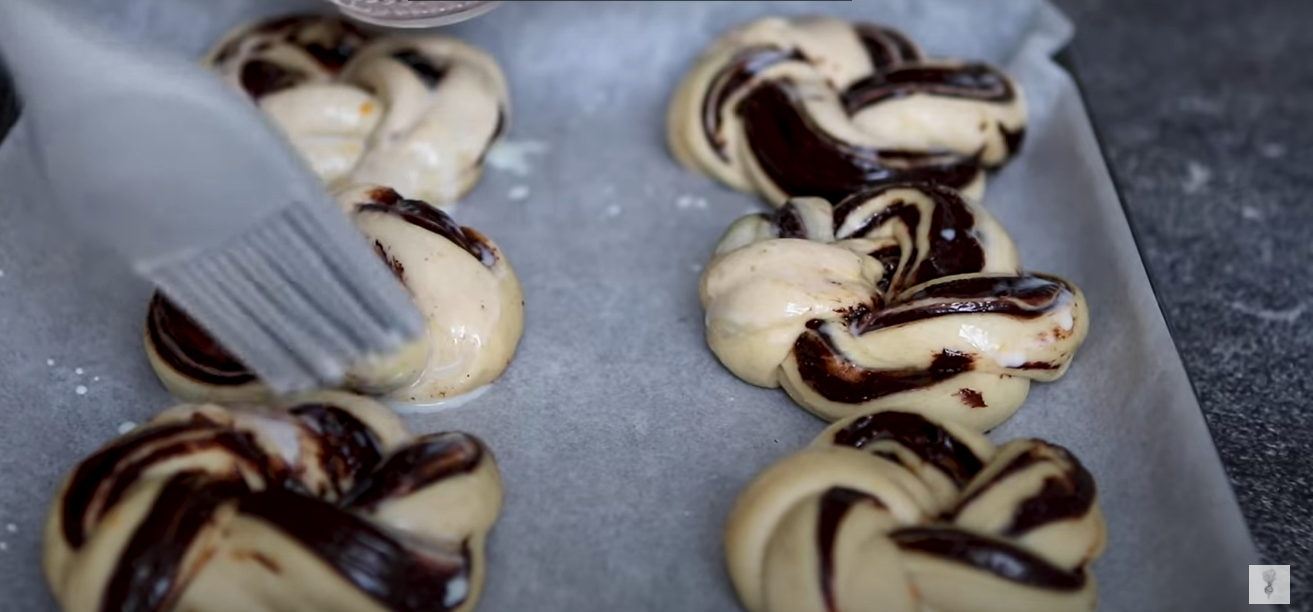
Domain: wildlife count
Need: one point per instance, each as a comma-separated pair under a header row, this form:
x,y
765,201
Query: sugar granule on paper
x,y
518,192
78,371
513,156
50,362
126,426
81,389
690,201
12,528
613,211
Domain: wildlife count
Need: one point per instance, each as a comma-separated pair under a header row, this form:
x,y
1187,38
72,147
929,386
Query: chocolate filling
x,y
89,475
971,397
148,571
1069,496
925,439
426,71
398,577
352,449
497,133
741,70
803,160
889,257
838,379
886,47
189,350
1027,296
968,81
835,504
994,556
337,47
1037,365
429,460
1013,139
953,248
788,223
261,78
398,270
425,215
238,444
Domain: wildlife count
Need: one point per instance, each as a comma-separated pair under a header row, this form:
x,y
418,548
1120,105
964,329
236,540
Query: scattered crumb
x,y
126,426
1197,177
81,389
948,234
11,528
50,362
613,211
1251,213
513,156
518,192
1288,315
690,201
1272,150
78,371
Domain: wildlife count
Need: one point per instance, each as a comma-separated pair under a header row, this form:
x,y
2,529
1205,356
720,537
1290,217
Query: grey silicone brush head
x,y
413,14
157,159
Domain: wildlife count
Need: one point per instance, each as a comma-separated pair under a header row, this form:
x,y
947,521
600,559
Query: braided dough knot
x,y
822,107
904,294
417,113
321,504
894,512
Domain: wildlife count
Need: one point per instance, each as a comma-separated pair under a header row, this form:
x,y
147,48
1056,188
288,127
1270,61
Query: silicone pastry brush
x,y
157,159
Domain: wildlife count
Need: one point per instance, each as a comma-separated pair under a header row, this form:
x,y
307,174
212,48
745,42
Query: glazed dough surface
x,y
815,106
458,278
320,503
901,295
416,112
896,512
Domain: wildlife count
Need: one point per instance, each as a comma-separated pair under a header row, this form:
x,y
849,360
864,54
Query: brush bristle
x,y
299,298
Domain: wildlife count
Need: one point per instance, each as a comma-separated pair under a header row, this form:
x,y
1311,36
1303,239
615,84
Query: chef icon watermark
x,y
1269,584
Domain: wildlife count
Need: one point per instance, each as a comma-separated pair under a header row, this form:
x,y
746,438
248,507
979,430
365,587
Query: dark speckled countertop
x,y
1204,108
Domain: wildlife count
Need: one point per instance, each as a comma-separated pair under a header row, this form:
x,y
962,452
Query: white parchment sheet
x,y
622,442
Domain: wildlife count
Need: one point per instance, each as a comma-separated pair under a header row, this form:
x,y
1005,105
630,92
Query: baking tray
x,y
622,442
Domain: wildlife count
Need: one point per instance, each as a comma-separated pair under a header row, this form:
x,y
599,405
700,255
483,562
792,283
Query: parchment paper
x,y
621,440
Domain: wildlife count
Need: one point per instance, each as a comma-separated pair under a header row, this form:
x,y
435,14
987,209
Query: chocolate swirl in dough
x,y
418,113
324,503
822,107
458,278
897,512
901,295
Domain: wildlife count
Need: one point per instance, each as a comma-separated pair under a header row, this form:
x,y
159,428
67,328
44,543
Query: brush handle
x,y
145,151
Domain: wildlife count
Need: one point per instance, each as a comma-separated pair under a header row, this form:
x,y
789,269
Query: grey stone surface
x,y
1204,108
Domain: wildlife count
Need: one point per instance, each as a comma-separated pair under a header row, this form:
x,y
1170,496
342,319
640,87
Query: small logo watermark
x,y
1269,584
